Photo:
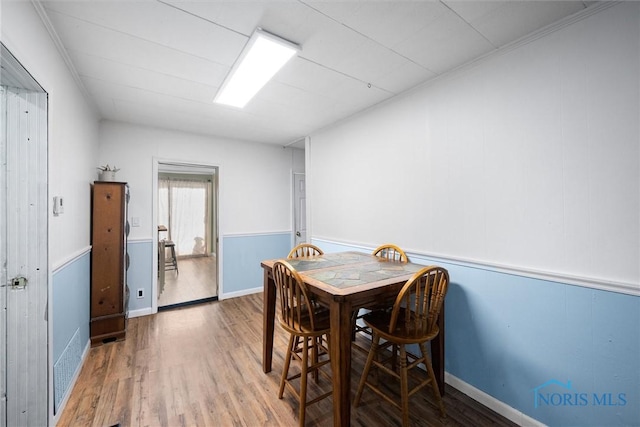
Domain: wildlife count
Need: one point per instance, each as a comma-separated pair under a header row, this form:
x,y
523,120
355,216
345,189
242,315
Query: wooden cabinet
x,y
109,292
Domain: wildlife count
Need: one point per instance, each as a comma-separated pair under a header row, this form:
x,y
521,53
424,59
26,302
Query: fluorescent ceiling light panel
x,y
262,57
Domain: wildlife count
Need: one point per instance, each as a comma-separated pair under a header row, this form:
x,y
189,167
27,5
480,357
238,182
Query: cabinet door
x,y
107,265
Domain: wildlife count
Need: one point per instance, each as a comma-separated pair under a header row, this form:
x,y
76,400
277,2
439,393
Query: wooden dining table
x,y
345,281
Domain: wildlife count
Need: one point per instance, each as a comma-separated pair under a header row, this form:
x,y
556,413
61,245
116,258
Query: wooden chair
x,y
391,252
387,251
304,250
413,320
172,262
306,326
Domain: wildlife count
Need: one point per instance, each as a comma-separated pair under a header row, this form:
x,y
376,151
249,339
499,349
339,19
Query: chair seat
x,y
379,321
321,319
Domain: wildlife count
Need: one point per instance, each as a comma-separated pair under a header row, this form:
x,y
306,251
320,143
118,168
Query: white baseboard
x,y
240,293
491,402
76,374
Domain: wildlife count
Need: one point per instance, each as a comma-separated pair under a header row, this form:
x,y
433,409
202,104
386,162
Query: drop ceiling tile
x,y
97,68
473,11
504,22
97,41
326,87
370,61
237,16
149,21
386,22
340,11
300,106
103,89
310,76
332,47
285,18
446,44
359,95
404,77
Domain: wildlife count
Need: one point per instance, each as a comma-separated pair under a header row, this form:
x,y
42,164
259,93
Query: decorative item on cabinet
x,y
107,173
109,261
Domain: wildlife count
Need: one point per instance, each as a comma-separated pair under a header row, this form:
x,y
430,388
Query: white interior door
x,y
24,243
3,266
299,208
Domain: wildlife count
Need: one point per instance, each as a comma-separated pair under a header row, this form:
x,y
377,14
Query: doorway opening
x,y
187,213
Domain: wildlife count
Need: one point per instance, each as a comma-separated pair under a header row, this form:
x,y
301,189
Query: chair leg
x,y
328,346
367,367
303,380
175,259
314,356
354,318
404,385
394,356
293,342
432,377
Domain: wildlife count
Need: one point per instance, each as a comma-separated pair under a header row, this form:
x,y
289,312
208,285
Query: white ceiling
x,y
160,63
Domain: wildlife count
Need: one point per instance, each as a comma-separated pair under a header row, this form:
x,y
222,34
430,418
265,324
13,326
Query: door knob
x,y
298,233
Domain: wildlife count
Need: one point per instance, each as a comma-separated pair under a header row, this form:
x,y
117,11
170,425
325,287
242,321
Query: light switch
x,y
135,221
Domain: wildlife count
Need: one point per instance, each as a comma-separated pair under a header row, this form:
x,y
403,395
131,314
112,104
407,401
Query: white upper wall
x,y
254,179
73,128
298,159
528,159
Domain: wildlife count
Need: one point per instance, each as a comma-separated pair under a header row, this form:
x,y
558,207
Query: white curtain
x,y
183,207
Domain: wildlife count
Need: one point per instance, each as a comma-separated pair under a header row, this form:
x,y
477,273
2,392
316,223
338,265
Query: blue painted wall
x,y
242,257
140,272
507,335
70,321
71,303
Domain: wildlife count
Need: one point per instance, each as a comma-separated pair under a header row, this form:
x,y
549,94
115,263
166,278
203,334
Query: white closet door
x,y
25,249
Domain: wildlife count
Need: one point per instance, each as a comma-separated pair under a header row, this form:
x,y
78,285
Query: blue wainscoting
x,y
561,354
242,256
139,274
70,322
71,310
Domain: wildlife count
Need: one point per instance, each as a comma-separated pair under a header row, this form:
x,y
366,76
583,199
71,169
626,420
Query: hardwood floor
x,y
202,366
196,280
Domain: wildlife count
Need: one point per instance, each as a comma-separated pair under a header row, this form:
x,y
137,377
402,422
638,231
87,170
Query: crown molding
x,y
44,17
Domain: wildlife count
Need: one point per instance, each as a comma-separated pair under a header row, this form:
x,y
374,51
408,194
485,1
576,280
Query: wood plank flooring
x,y
202,366
196,280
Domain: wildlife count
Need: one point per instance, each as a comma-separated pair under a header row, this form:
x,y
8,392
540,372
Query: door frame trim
x,y
157,163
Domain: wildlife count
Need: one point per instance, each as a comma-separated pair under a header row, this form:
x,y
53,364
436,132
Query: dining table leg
x,y
341,361
268,318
